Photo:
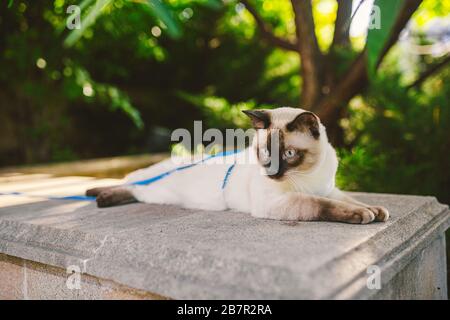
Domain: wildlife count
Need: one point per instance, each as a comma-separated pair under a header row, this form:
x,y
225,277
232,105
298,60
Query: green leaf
x,y
86,21
213,4
10,2
161,12
379,33
83,5
158,8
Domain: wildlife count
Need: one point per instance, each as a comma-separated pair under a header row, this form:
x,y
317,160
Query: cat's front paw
x,y
349,214
362,216
381,213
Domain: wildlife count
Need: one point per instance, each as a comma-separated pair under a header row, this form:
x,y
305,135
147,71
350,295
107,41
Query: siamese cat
x,y
288,173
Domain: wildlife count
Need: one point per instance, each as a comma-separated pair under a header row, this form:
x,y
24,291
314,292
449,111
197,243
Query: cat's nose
x,y
276,176
273,170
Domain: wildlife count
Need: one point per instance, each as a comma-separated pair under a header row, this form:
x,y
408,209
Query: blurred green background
x,y
138,69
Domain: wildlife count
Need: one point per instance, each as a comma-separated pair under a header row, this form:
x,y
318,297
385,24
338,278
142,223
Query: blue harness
x,y
140,182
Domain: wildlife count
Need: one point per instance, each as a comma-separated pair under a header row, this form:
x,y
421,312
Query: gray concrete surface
x,y
28,280
195,254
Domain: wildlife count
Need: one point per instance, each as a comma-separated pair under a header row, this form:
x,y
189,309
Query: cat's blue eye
x,y
289,153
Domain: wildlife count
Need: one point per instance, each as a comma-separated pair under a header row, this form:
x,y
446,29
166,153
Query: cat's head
x,y
287,140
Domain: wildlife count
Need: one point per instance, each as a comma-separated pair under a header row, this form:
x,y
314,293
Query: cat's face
x,y
287,140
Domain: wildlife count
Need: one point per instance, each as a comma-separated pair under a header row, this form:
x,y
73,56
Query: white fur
x,y
247,190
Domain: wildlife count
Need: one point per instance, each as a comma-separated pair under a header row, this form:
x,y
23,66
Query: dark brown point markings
x,y
111,196
260,119
305,122
282,164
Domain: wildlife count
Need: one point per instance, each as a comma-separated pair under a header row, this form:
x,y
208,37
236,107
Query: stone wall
x,y
24,279
142,251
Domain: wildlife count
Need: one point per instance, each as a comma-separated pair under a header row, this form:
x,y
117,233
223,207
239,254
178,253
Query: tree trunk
x,y
342,24
322,91
310,66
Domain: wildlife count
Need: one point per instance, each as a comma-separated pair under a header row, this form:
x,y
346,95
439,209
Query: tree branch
x,y
356,79
405,14
341,38
351,84
427,73
266,31
342,24
309,52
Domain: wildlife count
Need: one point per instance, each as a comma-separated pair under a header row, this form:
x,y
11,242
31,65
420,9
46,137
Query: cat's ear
x,y
305,122
260,118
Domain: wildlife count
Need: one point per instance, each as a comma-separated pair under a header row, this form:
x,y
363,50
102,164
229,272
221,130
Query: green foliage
x,y
118,64
91,11
324,13
359,169
79,84
219,112
429,10
378,37
158,8
162,12
89,17
403,144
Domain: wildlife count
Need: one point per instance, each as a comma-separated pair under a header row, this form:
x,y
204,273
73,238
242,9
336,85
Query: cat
x,y
299,187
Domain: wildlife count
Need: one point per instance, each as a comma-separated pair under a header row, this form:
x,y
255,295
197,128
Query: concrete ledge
x,y
192,254
24,279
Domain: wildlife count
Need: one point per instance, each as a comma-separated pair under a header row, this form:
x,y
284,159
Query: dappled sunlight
x,y
37,188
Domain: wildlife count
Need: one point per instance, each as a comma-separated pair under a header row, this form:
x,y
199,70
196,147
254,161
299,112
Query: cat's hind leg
x,y
96,191
114,197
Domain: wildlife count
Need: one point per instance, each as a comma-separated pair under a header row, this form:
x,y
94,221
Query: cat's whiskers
x,y
300,173
303,188
293,183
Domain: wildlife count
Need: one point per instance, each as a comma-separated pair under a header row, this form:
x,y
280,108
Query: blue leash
x,y
76,197
141,182
167,173
227,175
